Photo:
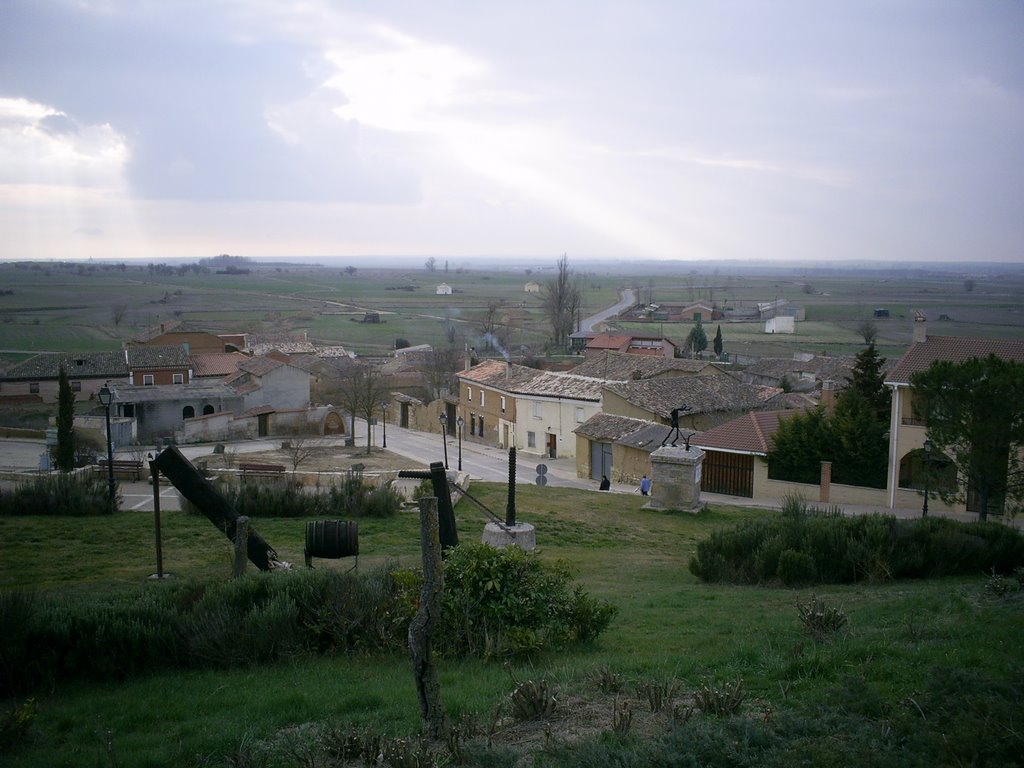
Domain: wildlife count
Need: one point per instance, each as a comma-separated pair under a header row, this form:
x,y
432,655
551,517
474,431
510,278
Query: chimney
x,y
508,371
468,362
828,394
920,327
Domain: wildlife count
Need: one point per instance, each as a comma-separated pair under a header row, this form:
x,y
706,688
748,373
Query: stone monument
x,y
675,481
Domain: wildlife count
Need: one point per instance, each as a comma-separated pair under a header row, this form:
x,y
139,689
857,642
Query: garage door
x,y
728,473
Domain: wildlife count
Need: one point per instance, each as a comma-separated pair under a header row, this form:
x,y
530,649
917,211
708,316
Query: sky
x,y
847,130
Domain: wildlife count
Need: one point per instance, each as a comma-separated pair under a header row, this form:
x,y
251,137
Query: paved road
x,y
627,301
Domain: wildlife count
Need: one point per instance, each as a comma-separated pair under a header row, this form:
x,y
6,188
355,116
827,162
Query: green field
x,y
669,625
51,307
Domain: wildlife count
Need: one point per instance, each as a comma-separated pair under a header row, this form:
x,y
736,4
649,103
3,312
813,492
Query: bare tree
x,y
431,264
437,366
346,392
374,389
868,330
298,449
489,320
562,302
117,313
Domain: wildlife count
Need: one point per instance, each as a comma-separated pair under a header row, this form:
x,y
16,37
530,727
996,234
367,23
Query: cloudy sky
x,y
732,129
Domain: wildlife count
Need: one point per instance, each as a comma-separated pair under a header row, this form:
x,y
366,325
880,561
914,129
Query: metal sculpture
x,y
674,429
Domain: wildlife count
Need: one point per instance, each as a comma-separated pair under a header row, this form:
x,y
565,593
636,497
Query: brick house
x,y
631,343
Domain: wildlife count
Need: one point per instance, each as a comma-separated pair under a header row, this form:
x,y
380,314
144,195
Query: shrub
x,y
58,494
807,546
821,619
256,619
796,568
500,602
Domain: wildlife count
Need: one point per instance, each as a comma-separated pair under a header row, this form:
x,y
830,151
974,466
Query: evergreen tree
x,y
975,416
800,444
868,381
64,454
697,340
861,441
718,347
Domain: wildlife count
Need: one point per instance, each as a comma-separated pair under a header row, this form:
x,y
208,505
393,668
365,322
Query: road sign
x,y
541,480
542,469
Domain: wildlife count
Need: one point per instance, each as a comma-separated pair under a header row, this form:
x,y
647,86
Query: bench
x,y
252,469
122,467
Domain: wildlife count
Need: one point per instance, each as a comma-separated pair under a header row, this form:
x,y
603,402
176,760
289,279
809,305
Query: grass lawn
x,y
668,625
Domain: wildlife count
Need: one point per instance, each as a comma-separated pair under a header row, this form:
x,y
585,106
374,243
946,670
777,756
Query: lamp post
x,y
443,418
106,398
459,423
927,474
384,407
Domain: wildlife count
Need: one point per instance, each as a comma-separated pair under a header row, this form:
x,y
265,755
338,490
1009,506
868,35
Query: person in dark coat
x,y
605,483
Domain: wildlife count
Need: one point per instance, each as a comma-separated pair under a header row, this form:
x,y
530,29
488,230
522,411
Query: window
x,y
531,439
481,398
503,404
177,378
579,414
76,386
188,412
469,394
33,388
147,379
480,426
536,409
472,424
207,410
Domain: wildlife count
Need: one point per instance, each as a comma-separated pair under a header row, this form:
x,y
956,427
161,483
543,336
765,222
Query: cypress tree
x,y
64,455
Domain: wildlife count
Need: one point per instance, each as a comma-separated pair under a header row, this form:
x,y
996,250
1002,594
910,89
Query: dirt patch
x,y
317,459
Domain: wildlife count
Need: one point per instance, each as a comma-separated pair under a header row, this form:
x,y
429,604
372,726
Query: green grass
x,y
668,625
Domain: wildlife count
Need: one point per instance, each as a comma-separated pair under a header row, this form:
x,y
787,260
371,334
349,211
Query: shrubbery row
x,y
805,547
496,602
353,498
58,494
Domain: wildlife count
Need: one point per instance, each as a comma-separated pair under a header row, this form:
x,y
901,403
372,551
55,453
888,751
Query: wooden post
x,y
241,546
428,687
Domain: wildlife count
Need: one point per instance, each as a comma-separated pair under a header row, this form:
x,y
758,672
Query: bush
x,y
189,624
501,602
58,494
805,546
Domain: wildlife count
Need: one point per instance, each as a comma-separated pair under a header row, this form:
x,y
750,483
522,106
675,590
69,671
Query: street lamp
x,y
460,422
443,418
384,407
106,398
927,473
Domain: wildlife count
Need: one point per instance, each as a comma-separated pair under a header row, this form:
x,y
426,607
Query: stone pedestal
x,y
675,481
520,535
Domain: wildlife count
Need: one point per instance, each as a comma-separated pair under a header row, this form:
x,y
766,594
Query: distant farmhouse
x,y
443,290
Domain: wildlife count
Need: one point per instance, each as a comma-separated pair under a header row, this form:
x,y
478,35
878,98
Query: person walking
x,y
605,483
645,486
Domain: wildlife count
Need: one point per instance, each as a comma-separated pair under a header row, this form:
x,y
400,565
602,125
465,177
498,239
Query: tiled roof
x,y
701,394
216,363
652,436
955,349
605,426
173,356
259,366
520,380
622,366
749,433
837,369
608,341
94,365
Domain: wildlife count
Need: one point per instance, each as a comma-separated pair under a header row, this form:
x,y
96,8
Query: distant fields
x,y
54,308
